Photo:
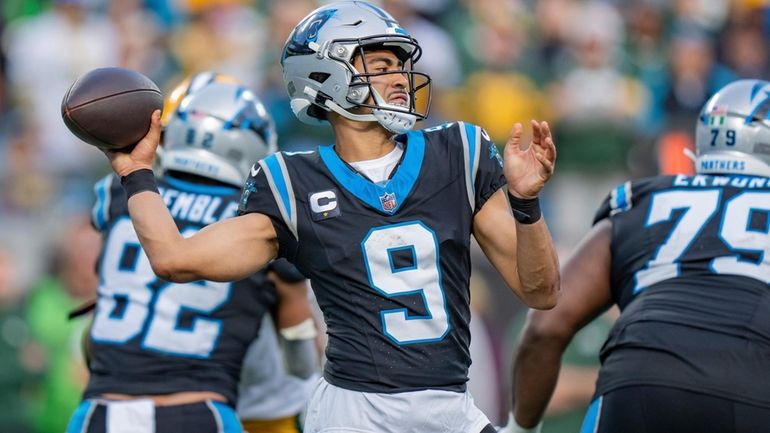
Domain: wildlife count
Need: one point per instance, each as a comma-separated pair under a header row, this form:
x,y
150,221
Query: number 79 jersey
x,y
691,274
389,263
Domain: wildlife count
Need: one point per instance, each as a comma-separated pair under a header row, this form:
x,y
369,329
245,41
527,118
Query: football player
x,y
687,260
380,221
277,378
164,356
280,366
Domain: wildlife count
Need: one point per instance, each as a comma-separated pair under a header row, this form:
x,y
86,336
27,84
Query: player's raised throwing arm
x,y
228,250
509,227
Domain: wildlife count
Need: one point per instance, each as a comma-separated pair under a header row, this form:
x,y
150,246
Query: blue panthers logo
x,y
251,186
494,154
761,110
306,32
386,17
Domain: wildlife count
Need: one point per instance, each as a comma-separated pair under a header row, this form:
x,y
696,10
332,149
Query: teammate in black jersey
x,y
687,260
380,222
166,357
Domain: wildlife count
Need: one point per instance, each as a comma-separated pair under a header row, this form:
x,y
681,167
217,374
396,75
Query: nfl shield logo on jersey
x,y
388,201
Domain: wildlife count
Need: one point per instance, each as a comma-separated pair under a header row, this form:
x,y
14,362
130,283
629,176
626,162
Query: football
x,y
110,108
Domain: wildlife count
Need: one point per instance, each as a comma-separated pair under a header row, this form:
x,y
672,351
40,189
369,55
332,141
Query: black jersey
x,y
151,336
690,273
389,263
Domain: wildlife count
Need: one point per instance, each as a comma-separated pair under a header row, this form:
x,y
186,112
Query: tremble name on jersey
x,y
389,261
151,336
197,208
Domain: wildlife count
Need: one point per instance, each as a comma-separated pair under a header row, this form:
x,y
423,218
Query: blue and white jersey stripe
x,y
471,139
81,418
280,184
100,213
620,198
592,417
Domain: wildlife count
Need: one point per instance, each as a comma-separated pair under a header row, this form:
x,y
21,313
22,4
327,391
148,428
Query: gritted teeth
x,y
400,100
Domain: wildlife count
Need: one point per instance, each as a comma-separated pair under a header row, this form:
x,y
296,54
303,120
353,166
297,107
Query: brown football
x,y
110,108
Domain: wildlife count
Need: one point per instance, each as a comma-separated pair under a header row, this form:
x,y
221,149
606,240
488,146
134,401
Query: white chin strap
x,y
395,122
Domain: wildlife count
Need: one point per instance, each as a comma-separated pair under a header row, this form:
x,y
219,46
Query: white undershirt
x,y
378,170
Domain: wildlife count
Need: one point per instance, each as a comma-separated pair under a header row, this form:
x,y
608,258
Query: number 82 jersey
x,y
389,263
152,336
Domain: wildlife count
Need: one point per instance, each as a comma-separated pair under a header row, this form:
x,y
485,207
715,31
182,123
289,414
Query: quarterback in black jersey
x,y
380,222
687,261
164,356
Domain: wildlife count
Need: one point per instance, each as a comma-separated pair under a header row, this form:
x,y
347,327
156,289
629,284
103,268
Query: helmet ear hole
x,y
319,77
358,91
358,94
316,111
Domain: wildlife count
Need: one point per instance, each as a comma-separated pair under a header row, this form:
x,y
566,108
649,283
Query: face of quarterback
x,y
391,86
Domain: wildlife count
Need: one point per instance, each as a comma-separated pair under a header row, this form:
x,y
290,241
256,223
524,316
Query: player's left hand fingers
x,y
549,148
514,138
541,131
545,129
545,162
537,132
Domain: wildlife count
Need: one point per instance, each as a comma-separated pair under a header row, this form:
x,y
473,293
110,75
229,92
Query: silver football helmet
x,y
218,132
318,67
733,130
189,85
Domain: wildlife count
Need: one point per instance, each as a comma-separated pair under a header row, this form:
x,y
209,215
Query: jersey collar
x,y
389,197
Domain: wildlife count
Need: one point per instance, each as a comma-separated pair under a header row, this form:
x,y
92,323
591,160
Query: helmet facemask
x,y
394,117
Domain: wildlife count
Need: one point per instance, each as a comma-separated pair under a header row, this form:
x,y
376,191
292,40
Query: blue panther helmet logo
x,y
306,31
761,110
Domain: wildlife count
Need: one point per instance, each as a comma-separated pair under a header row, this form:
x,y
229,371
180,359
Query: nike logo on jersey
x,y
255,170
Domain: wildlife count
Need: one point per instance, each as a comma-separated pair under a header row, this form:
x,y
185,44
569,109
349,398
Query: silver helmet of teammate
x,y
218,132
318,67
733,130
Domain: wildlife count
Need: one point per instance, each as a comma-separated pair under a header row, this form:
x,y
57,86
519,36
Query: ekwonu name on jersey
x,y
691,274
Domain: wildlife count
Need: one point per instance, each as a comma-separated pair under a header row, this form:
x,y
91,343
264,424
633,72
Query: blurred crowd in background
x,y
621,83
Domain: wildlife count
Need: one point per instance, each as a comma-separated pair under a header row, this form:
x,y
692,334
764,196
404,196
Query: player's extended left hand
x,y
527,170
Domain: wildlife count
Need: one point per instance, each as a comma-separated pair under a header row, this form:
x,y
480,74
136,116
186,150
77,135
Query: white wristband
x,y
303,331
514,427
